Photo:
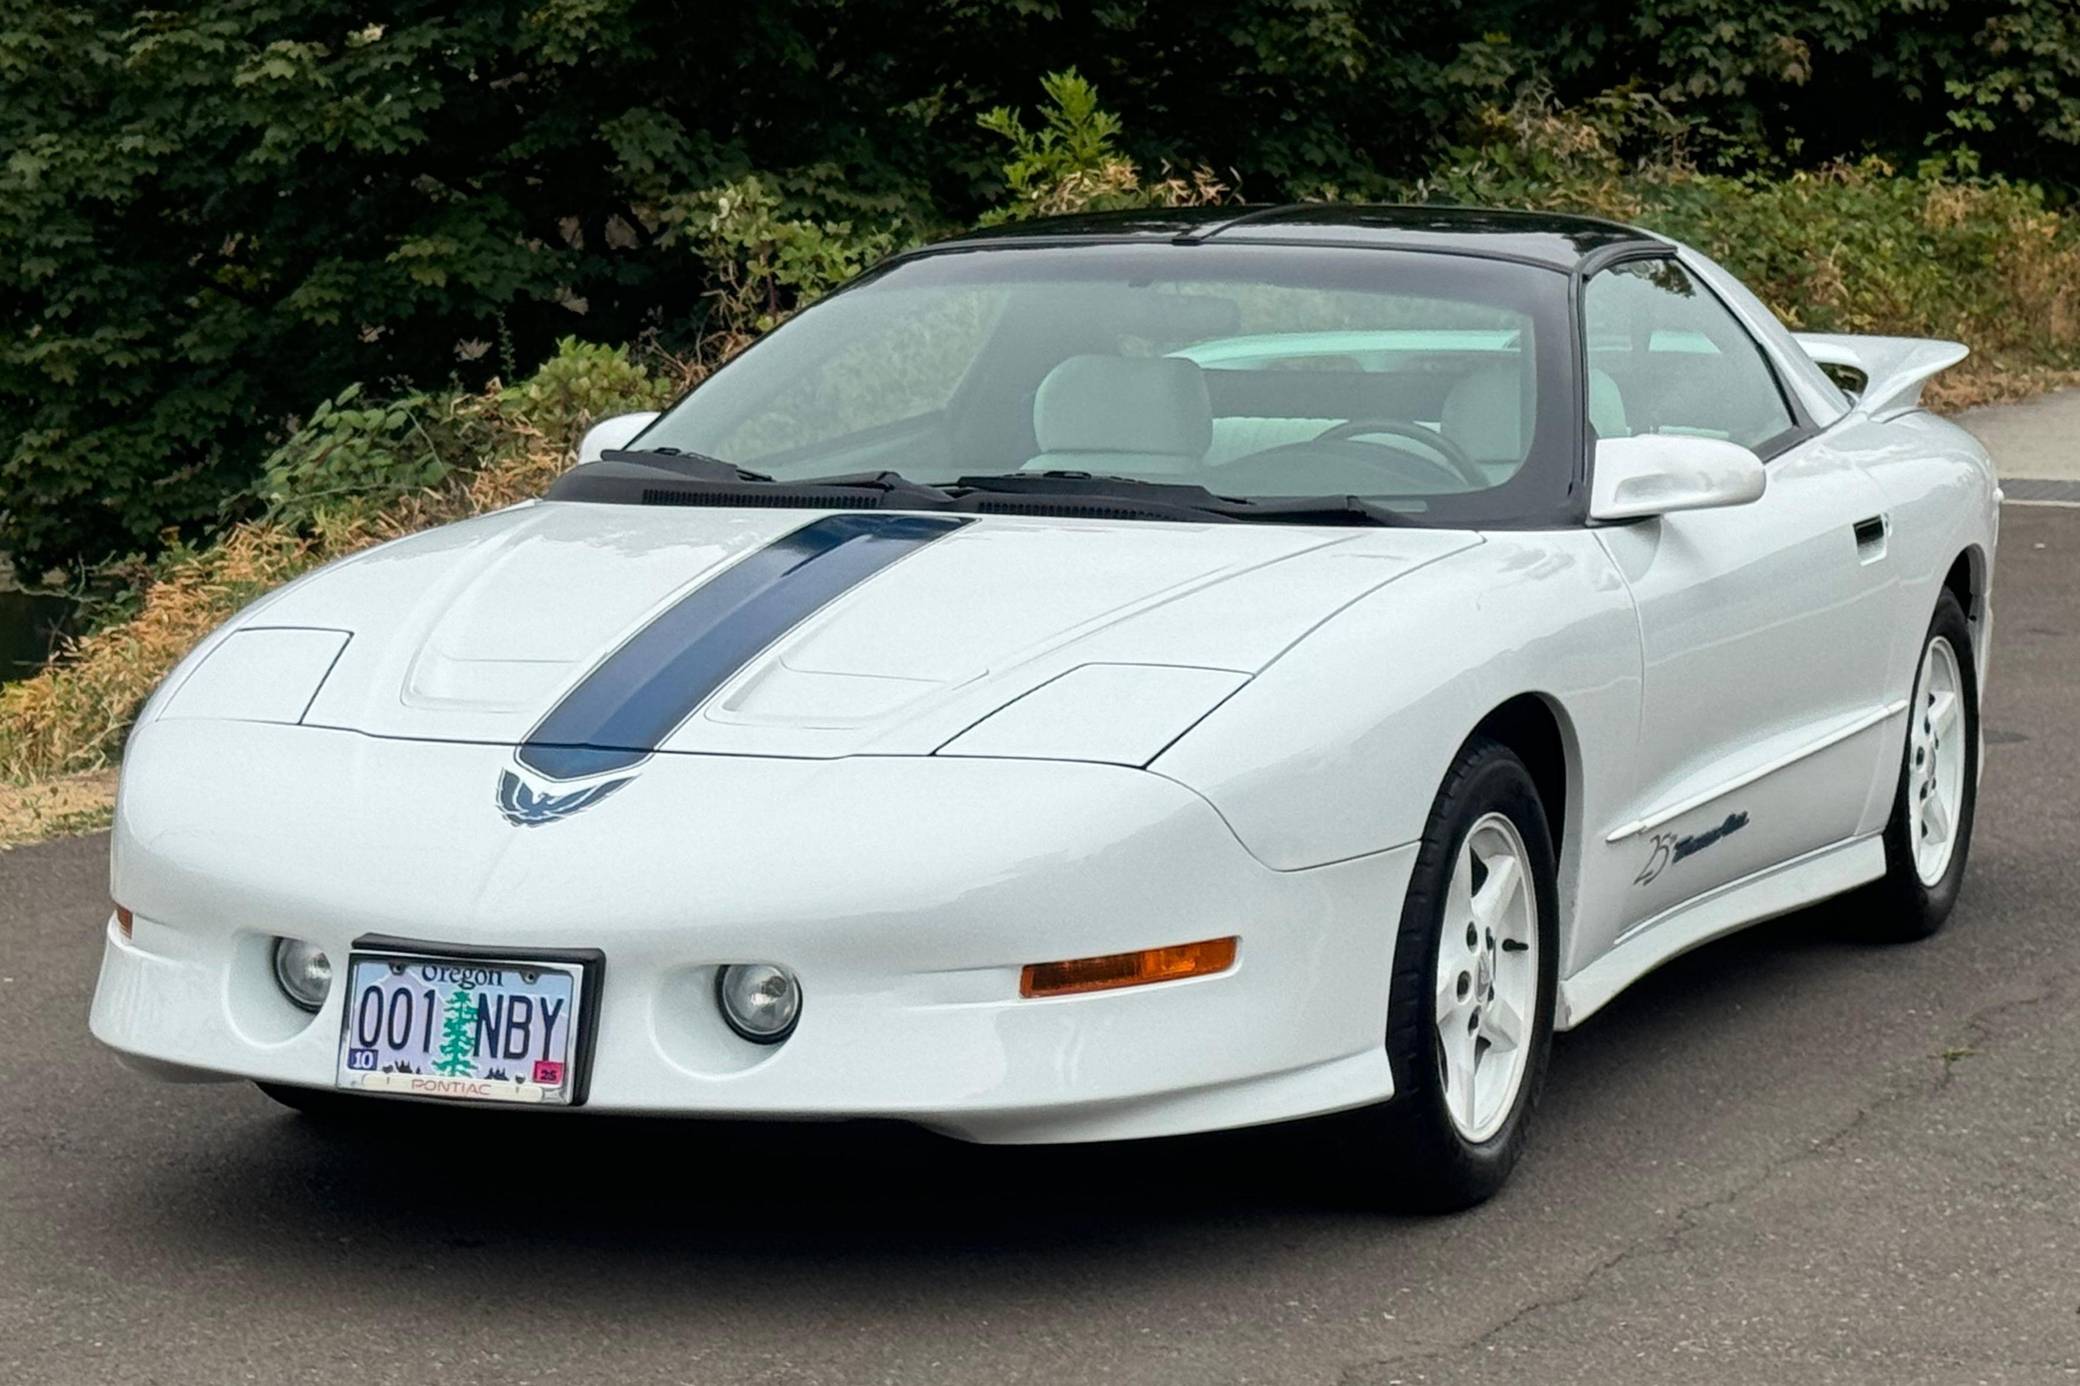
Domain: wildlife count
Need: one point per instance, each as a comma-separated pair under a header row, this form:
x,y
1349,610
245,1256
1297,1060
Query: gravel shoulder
x,y
2034,439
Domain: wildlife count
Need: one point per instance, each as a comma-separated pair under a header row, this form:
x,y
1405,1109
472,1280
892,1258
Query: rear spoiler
x,y
1893,368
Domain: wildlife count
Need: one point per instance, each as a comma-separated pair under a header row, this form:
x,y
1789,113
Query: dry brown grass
x,y
2037,269
1987,380
72,716
56,807
1119,183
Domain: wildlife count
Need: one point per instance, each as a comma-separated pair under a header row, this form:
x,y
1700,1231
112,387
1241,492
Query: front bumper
x,y
906,893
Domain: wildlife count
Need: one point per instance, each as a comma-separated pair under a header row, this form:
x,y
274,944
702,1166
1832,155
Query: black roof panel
x,y
1548,238
1148,223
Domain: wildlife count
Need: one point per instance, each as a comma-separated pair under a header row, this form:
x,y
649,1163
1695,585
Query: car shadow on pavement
x,y
732,1196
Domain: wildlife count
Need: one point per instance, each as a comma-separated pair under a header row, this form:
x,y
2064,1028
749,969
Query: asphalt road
x,y
1784,1158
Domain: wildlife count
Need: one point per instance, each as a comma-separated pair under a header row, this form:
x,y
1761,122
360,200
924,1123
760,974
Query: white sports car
x,y
1109,678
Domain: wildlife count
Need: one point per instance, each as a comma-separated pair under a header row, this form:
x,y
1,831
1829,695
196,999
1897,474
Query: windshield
x,y
1434,385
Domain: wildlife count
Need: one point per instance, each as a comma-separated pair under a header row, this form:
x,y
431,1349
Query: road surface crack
x,y
1978,1038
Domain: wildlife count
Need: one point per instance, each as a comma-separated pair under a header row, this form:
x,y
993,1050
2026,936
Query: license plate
x,y
462,1028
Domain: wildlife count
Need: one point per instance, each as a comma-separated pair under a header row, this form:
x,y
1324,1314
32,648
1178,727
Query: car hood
x,y
477,631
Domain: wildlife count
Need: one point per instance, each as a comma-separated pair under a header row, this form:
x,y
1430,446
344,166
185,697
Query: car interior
x,y
1449,421
1678,358
1248,389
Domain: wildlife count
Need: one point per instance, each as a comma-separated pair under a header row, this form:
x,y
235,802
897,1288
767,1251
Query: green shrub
x,y
581,384
1073,161
1859,248
1849,247
762,262
353,458
349,456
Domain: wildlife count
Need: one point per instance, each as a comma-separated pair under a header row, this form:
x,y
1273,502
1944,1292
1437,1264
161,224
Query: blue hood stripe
x,y
638,695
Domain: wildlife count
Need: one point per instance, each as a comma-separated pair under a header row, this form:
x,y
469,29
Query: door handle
x,y
1870,538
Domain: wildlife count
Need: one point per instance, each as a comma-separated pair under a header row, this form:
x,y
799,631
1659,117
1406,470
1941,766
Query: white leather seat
x,y
1136,415
1485,413
1242,435
1606,406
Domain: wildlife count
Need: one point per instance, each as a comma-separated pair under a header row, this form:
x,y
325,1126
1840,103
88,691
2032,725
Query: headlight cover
x,y
1117,714
258,674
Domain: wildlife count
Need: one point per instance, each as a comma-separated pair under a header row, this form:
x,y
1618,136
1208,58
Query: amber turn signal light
x,y
1127,969
123,920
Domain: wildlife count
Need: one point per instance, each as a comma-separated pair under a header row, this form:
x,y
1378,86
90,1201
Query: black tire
x,y
1900,907
1431,1166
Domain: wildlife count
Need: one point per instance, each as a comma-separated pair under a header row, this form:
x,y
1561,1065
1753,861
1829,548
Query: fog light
x,y
761,1002
303,970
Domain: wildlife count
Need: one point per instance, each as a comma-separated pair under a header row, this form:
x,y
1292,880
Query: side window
x,y
1665,356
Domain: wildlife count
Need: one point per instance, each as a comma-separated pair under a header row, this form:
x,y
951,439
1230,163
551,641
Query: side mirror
x,y
1656,473
617,431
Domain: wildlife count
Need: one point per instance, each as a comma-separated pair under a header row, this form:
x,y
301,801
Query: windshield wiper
x,y
1060,482
696,465
667,476
1125,496
1177,500
1318,510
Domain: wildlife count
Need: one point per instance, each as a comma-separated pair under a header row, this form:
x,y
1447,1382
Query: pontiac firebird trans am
x,y
1115,677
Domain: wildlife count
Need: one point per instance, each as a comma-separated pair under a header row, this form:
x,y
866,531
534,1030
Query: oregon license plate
x,y
485,1031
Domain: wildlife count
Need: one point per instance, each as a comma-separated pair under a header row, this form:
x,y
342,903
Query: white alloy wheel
x,y
1936,771
1487,977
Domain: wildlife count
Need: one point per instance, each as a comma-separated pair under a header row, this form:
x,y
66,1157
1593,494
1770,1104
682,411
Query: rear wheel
x,y
1930,832
1470,1020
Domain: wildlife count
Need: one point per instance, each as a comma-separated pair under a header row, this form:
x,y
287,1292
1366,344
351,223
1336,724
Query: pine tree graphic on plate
x,y
458,1054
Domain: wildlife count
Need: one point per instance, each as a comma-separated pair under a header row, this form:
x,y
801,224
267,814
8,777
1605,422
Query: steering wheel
x,y
1442,452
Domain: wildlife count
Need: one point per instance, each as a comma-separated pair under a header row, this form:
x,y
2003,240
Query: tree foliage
x,y
214,218
1850,246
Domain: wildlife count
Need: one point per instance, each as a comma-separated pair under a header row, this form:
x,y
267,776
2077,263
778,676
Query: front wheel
x,y
1470,1020
1930,832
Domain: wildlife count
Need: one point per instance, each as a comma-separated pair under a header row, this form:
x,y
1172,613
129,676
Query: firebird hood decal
x,y
523,807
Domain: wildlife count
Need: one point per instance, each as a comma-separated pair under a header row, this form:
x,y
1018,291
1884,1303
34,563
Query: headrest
x,y
1484,414
1124,404
1606,406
